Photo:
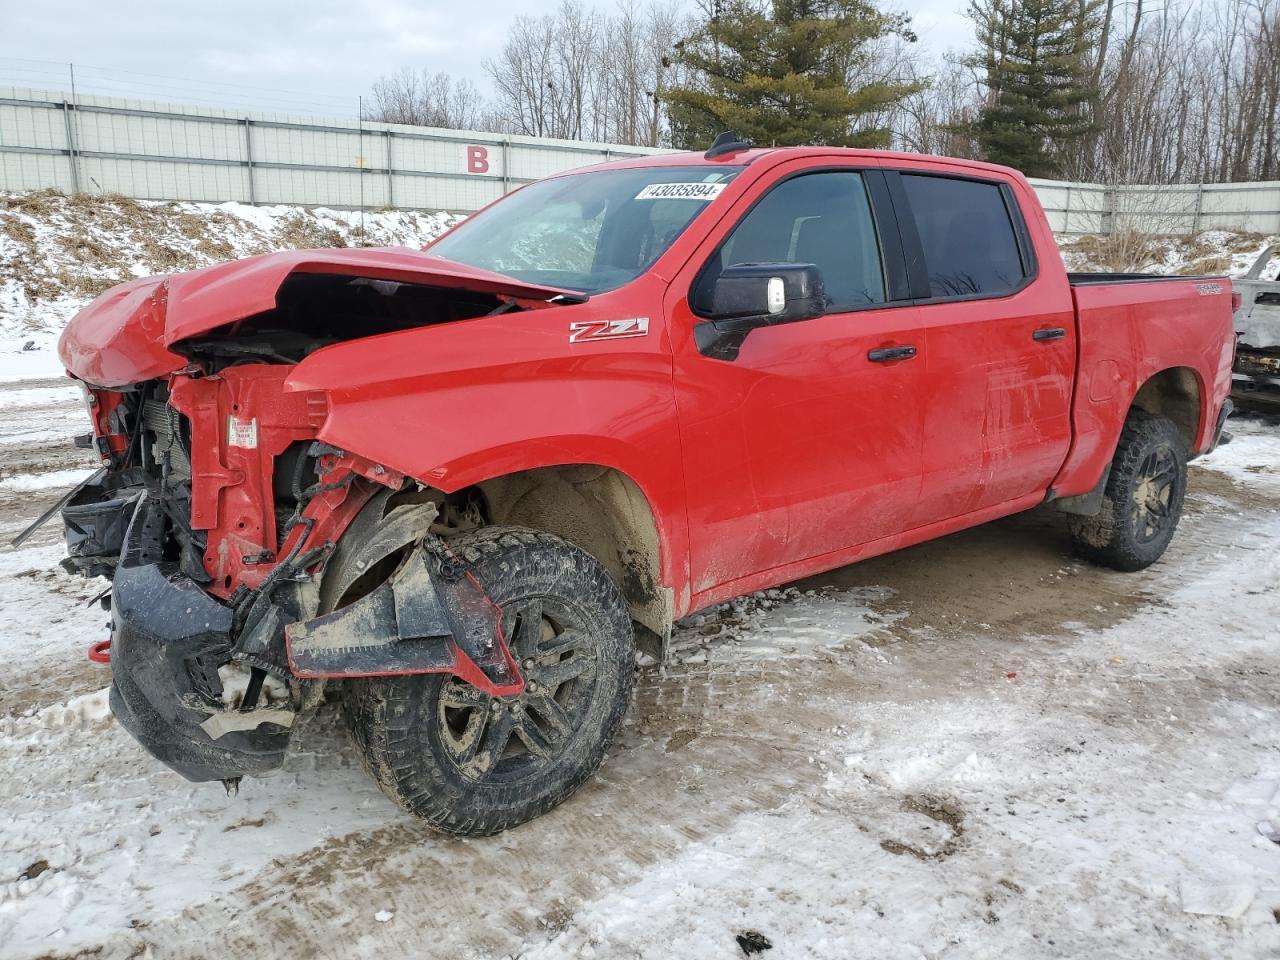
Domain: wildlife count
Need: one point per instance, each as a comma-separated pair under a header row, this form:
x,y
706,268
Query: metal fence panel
x,y
164,152
158,151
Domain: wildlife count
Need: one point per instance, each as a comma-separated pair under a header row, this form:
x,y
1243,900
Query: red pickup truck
x,y
459,486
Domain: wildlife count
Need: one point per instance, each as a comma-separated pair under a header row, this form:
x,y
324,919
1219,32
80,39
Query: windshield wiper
x,y
569,298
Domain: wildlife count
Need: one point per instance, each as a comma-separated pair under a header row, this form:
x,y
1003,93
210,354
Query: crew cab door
x,y
805,444
1001,339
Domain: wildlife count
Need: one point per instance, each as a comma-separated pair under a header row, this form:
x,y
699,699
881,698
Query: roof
x,y
697,158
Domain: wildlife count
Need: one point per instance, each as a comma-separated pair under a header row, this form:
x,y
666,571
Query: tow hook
x,y
100,652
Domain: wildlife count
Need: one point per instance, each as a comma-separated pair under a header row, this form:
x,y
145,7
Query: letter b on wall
x,y
477,159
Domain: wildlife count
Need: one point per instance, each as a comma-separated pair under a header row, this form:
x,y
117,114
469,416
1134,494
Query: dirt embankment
x,y
57,252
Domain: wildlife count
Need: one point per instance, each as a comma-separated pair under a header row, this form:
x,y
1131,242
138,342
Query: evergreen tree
x,y
1034,53
784,74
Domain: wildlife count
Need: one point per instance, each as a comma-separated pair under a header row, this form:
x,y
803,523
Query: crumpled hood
x,y
123,336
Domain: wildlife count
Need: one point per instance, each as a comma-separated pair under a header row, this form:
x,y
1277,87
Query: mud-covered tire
x,y
407,730
1143,498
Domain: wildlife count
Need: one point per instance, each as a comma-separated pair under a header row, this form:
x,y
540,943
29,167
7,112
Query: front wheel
x,y
1142,501
470,764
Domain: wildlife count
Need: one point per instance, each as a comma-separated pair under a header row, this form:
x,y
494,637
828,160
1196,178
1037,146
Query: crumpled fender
x,y
118,339
460,404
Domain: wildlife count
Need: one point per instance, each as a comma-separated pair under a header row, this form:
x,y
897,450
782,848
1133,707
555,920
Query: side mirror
x,y
745,296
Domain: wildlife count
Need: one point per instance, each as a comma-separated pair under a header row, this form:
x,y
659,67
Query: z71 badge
x,y
584,330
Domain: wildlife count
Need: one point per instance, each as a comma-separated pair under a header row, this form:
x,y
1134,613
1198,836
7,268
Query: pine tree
x,y
784,74
1038,80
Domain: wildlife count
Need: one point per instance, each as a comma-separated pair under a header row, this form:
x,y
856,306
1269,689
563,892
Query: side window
x,y
819,218
969,242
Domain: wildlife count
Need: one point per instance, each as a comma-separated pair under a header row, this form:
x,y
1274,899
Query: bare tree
x,y
579,74
545,78
427,100
1185,91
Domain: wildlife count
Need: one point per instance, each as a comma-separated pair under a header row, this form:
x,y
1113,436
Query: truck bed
x,y
1130,327
1089,279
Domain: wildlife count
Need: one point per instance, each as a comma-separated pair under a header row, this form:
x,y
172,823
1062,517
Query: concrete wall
x,y
156,151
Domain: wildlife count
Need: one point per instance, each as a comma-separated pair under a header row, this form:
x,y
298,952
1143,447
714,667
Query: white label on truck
x,y
242,433
681,191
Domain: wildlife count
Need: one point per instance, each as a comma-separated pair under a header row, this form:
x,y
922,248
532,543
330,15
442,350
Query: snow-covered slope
x,y
58,252
1207,252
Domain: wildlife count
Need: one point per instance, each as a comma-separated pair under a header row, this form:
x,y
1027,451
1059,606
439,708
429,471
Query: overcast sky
x,y
312,57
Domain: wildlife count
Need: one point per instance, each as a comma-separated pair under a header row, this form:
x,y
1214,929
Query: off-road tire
x,y
400,725
1126,535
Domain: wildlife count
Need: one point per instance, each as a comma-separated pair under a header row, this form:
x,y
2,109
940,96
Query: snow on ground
x,y
26,482
1249,457
975,748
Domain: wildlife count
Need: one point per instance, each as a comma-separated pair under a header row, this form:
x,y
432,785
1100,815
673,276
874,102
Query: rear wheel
x,y
471,764
1142,502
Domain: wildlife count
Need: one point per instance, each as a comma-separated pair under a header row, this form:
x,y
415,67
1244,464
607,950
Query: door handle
x,y
885,354
1049,333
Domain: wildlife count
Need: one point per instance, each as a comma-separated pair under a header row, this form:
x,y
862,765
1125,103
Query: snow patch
x,y
26,482
1250,457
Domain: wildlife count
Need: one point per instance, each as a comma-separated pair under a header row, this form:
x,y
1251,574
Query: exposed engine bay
x,y
315,310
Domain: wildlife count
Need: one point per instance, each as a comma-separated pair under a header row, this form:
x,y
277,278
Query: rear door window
x,y
970,246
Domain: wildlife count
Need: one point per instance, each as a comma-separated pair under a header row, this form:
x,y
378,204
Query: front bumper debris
x,y
170,637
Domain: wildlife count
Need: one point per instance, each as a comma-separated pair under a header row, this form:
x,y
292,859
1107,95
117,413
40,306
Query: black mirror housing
x,y
749,295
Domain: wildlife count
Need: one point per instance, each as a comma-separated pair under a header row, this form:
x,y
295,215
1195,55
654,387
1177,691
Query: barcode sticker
x,y
242,433
680,191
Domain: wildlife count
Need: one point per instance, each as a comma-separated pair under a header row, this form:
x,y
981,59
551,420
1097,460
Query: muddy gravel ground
x,y
977,747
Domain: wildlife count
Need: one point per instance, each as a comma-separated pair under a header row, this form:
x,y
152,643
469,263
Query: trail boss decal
x,y
585,330
680,191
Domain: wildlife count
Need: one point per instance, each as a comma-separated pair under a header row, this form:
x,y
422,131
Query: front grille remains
x,y
164,425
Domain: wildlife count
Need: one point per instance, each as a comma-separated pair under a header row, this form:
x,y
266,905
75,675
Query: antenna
x,y
725,144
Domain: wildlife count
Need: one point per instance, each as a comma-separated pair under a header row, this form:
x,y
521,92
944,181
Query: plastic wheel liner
x,y
429,616
169,637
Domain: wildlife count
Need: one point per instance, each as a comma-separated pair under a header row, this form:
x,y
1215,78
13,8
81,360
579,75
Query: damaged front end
x,y
172,642
251,561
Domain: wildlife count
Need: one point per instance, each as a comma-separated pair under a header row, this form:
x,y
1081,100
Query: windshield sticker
x,y
681,191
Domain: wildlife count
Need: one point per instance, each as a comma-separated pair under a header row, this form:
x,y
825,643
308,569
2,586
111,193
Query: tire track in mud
x,y
486,898
38,421
724,735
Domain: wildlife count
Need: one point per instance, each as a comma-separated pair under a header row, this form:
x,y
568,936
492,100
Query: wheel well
x,y
1174,394
602,511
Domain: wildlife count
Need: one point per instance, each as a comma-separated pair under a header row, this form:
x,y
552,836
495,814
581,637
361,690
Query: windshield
x,y
590,231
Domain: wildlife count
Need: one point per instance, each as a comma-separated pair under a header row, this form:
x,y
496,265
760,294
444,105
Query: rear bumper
x,y
168,639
